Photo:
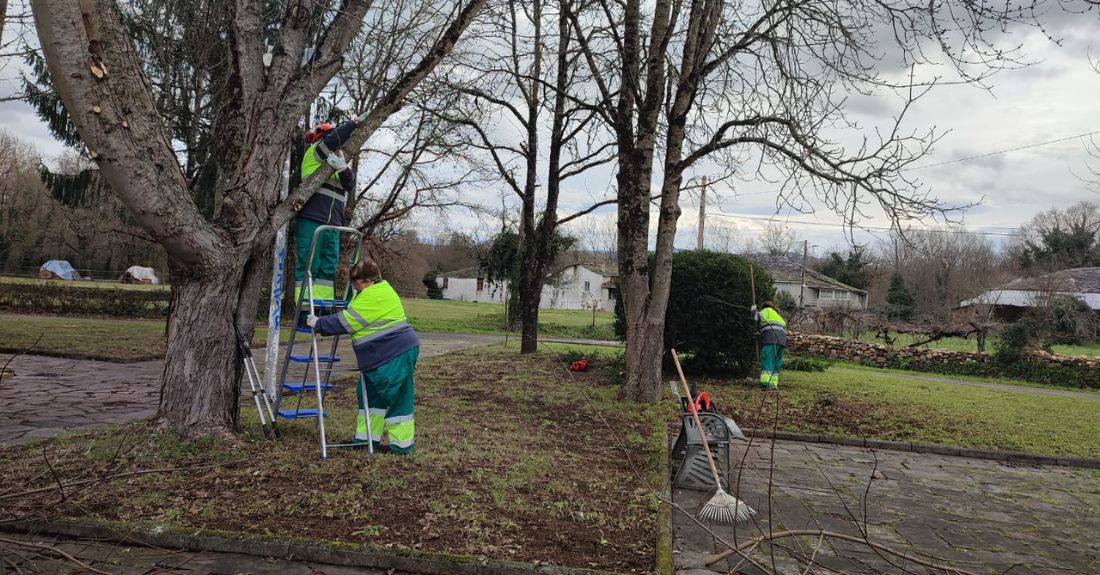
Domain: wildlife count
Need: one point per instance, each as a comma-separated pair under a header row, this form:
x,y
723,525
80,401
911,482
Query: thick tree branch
x,y
113,108
387,106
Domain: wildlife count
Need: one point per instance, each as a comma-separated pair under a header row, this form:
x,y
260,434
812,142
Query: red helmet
x,y
319,132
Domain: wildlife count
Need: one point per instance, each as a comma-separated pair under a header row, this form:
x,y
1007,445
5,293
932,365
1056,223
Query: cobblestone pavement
x,y
136,560
48,395
981,516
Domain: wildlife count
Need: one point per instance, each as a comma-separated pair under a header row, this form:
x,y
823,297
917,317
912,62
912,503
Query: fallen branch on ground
x,y
52,549
124,474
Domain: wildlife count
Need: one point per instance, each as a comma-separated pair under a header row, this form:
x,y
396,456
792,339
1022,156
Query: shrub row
x,y
67,300
1034,367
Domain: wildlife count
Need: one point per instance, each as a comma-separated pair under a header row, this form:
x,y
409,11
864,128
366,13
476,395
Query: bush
x,y
786,303
1019,338
805,364
67,300
708,318
429,281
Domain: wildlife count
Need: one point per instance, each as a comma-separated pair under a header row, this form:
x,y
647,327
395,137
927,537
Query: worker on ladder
x,y
324,207
386,348
773,344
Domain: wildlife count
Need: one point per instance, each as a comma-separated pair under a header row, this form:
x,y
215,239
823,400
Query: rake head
x,y
725,508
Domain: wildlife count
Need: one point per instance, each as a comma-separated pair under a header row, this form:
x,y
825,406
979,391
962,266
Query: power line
x,y
973,231
956,160
1007,150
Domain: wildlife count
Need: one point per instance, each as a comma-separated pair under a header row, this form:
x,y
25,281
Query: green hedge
x,y
67,300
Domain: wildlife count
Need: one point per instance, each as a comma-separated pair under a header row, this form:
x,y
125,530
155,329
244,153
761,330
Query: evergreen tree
x,y
851,270
899,300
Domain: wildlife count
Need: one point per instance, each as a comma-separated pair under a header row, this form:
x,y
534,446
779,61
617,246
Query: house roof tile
x,y
785,270
1076,280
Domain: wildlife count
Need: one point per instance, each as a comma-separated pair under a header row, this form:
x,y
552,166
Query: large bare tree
x,y
680,81
521,108
216,264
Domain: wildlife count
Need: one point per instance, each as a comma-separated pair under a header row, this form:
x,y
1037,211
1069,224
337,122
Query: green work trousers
x,y
771,359
325,260
390,395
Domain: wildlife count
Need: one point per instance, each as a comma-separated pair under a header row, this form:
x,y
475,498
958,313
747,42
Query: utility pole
x,y
702,213
802,286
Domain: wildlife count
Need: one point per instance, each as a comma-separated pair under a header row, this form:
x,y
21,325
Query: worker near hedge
x,y
773,344
324,207
386,348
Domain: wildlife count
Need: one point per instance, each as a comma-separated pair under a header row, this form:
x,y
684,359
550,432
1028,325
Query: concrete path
x,y
981,516
29,557
48,395
985,384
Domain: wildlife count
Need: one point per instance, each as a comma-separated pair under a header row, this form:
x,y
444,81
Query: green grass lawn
x,y
138,340
970,345
84,338
468,317
513,462
978,378
873,404
82,283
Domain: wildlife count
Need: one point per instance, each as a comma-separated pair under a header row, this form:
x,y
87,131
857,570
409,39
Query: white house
x,y
1020,293
821,290
582,286
469,284
577,286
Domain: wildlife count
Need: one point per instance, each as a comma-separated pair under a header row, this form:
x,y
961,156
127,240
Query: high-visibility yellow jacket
x,y
326,205
773,328
376,321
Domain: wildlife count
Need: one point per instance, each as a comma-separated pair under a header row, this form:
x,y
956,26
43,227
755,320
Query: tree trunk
x,y
530,297
208,313
642,380
202,348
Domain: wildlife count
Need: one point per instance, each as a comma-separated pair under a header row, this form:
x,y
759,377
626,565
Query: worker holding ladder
x,y
386,348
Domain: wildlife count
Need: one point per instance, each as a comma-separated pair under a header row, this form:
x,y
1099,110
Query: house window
x,y
834,294
444,282
587,287
480,284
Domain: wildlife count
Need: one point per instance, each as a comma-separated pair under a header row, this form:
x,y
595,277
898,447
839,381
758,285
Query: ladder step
x,y
307,359
329,303
304,386
298,413
304,329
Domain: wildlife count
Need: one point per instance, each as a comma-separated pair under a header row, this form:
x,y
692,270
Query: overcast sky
x,y
1057,97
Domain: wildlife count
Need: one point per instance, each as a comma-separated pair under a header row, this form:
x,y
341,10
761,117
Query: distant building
x,y
1014,297
582,286
577,286
470,284
821,290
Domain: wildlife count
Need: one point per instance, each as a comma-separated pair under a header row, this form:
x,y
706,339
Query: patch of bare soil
x,y
515,460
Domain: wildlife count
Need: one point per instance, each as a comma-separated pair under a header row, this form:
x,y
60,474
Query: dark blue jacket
x,y
326,205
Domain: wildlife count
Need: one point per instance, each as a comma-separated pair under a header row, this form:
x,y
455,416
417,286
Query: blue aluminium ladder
x,y
317,379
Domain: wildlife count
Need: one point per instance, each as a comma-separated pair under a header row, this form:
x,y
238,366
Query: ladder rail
x,y
316,361
259,395
320,383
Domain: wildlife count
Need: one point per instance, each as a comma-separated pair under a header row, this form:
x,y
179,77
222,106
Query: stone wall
x,y
1040,367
